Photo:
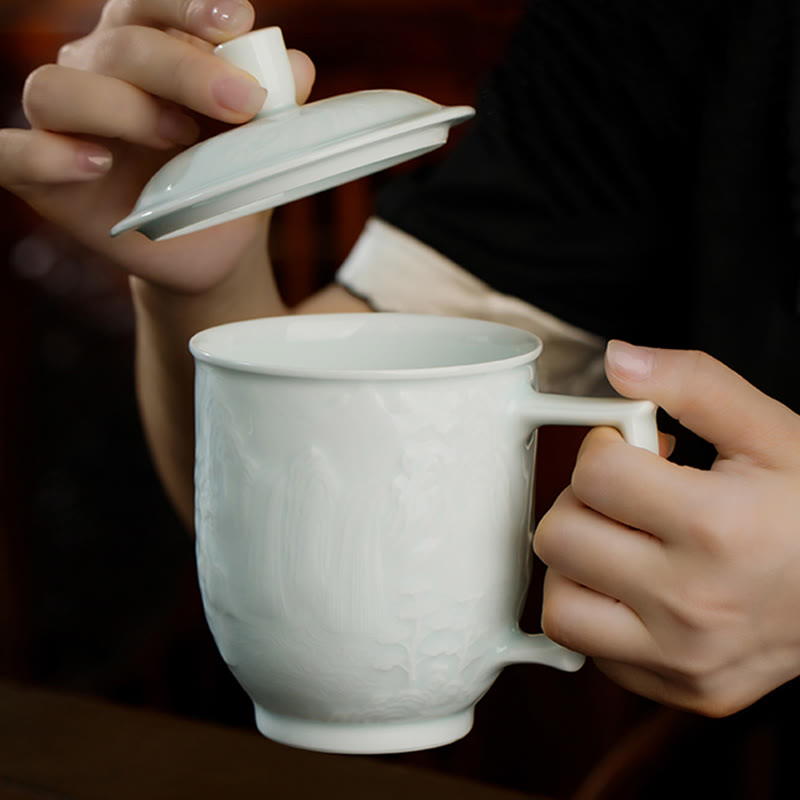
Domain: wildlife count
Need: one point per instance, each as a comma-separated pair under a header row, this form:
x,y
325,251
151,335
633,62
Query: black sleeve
x,y
571,187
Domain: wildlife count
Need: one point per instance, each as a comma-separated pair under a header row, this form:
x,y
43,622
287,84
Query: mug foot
x,y
364,738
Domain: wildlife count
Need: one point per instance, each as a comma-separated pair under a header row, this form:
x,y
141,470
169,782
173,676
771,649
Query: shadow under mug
x,y
363,511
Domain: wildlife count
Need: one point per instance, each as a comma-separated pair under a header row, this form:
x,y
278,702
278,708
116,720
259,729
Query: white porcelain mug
x,y
363,509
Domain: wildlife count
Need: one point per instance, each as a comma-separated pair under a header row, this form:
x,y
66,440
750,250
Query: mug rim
x,y
528,346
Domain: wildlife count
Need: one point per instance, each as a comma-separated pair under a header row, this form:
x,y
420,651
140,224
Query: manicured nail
x,y
174,126
629,362
239,94
94,159
231,15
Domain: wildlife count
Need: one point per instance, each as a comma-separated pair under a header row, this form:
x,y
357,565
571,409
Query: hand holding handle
x,y
636,421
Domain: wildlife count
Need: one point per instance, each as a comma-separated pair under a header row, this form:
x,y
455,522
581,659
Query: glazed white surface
x,y
363,544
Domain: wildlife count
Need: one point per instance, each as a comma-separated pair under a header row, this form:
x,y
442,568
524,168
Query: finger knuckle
x,y
704,532
694,663
717,705
69,53
700,364
543,540
693,613
713,696
39,91
116,50
710,526
548,538
707,695
555,624
703,626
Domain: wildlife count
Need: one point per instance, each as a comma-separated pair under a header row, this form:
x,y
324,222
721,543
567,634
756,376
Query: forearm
x,y
165,321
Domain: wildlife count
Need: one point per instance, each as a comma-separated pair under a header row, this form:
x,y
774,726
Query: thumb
x,y
708,398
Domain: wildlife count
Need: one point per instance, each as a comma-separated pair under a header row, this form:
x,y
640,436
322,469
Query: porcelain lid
x,y
287,151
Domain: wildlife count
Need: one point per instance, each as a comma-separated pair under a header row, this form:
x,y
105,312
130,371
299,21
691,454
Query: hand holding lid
x,y
287,151
262,53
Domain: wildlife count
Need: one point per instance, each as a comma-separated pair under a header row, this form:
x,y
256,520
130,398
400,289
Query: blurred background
x,y
97,579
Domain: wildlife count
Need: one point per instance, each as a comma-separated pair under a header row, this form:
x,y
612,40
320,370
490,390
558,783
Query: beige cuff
x,y
393,271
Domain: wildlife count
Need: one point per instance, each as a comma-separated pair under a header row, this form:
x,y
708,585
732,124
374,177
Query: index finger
x,y
710,399
212,20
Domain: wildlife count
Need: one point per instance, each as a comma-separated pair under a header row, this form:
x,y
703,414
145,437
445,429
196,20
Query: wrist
x,y
246,292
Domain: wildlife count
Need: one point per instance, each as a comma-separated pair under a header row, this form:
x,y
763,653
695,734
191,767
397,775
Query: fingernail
x,y
629,362
231,15
174,126
93,158
239,94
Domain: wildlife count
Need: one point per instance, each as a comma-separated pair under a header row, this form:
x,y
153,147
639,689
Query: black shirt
x,y
630,170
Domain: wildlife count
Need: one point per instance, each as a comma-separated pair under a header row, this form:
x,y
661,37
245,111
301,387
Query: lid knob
x,y
262,53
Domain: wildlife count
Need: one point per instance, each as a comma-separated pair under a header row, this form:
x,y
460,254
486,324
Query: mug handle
x,y
636,421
